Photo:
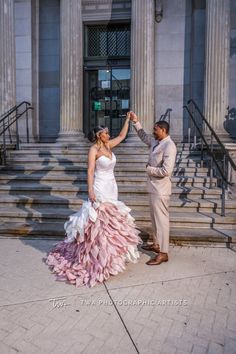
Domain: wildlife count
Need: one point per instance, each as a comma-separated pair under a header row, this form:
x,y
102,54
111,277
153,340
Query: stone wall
x,y
197,53
105,10
49,71
172,61
179,56
23,42
232,97
230,124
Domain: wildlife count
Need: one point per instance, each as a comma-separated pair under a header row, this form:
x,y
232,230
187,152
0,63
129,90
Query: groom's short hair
x,y
164,125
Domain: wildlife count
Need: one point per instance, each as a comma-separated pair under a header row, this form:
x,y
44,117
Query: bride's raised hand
x,y
119,138
128,115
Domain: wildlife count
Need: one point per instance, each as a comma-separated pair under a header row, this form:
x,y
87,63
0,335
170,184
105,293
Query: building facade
x,y
87,62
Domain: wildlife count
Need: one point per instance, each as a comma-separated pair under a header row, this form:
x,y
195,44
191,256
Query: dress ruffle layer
x,y
108,240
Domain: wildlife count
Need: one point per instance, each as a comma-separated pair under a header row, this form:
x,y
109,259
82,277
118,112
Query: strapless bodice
x,y
105,186
105,165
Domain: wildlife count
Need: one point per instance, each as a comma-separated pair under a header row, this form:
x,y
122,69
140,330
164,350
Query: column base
x,y
133,139
71,137
223,136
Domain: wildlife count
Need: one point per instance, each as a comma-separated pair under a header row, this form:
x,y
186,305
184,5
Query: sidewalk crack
x,y
122,321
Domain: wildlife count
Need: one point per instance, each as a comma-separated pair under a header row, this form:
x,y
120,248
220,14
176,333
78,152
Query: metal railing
x,y
210,144
166,115
7,120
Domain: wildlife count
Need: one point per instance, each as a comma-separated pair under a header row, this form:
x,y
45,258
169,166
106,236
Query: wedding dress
x,y
100,238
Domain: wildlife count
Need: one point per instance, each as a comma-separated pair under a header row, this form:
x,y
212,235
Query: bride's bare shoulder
x,y
93,149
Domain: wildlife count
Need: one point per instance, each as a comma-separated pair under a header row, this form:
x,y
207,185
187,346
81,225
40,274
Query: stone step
x,y
121,164
177,219
82,178
201,171
138,158
201,236
84,151
141,204
185,204
42,178
80,190
178,236
194,220
70,168
86,144
80,149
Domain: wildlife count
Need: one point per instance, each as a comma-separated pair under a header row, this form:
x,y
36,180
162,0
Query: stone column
x,y
7,56
217,63
71,112
142,61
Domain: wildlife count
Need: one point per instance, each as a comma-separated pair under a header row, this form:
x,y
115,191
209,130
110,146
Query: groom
x,y
159,169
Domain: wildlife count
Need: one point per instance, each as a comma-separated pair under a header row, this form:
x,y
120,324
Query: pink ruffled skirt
x,y
107,244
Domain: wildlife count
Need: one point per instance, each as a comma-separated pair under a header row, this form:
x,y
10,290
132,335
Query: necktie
x,y
155,146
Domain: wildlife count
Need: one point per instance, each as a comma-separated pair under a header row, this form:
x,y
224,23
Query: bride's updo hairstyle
x,y
92,135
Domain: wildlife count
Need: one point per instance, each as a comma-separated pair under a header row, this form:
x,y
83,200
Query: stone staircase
x,y
45,183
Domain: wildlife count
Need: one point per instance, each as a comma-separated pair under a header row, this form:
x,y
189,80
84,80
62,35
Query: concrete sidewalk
x,y
187,305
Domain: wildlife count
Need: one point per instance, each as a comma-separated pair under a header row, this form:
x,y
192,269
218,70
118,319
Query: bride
x,y
101,237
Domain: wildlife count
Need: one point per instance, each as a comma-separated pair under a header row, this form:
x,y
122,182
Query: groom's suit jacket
x,y
161,162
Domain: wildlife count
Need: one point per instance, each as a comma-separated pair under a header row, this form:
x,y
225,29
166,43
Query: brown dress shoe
x,y
154,248
162,257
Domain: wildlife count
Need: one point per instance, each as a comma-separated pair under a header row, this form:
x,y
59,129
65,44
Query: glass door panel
x,y
120,97
107,98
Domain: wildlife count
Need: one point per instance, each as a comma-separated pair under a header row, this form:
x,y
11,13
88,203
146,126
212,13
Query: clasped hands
x,y
132,116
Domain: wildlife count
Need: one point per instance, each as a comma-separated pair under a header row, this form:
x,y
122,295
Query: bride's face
x,y
104,136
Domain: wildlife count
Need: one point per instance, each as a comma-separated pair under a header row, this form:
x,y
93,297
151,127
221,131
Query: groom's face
x,y
159,133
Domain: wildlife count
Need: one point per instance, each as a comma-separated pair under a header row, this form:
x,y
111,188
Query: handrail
x,y
207,145
166,114
213,133
11,110
227,158
7,120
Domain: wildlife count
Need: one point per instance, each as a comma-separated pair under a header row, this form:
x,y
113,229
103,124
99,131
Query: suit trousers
x,y
159,209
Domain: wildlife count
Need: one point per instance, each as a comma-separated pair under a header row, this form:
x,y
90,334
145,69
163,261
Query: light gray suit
x,y
159,170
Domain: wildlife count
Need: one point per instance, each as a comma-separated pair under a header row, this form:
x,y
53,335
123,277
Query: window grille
x,y
108,41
